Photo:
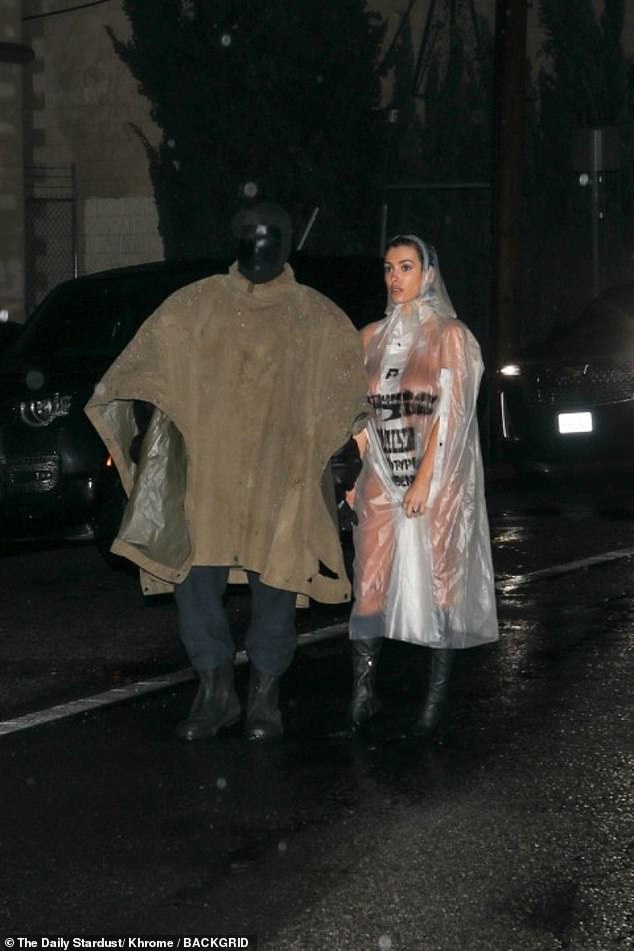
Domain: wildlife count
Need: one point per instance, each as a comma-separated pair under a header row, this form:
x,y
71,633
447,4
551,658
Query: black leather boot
x,y
264,720
215,706
437,693
365,702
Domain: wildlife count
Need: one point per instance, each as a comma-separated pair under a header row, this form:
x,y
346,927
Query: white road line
x,y
127,692
511,582
119,694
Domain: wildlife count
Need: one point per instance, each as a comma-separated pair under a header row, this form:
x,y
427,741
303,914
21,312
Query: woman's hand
x,y
415,499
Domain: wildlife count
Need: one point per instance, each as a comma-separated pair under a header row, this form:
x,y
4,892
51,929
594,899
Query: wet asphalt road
x,y
511,830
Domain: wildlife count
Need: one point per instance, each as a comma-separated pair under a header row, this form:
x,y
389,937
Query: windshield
x,y
96,318
611,315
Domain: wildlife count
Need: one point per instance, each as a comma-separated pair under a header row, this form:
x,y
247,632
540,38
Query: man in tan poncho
x,y
255,381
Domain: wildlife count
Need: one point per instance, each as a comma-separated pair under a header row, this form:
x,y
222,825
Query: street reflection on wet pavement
x,y
509,830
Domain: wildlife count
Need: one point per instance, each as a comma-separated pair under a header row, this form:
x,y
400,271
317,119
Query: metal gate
x,y
50,229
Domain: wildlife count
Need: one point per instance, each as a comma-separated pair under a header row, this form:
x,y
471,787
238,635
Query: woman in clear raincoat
x,y
423,570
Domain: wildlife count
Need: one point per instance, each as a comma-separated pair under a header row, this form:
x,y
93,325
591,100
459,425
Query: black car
x,y
570,401
56,478
9,331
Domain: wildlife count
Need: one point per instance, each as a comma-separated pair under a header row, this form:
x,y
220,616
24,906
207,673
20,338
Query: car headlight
x,y
510,369
42,410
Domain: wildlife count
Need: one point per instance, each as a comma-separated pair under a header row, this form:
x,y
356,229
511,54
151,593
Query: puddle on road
x,y
511,536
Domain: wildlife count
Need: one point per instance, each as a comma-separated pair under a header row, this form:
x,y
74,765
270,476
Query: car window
x,y
97,317
608,316
74,317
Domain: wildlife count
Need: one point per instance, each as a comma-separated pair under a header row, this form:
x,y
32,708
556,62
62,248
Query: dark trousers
x,y
204,626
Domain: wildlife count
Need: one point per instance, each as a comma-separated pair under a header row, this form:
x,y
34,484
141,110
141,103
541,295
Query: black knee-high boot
x,y
365,701
438,690
215,705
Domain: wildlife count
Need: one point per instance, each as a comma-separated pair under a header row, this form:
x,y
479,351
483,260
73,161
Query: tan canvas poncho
x,y
256,387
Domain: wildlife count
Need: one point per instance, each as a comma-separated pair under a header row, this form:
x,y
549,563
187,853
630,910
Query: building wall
x,y
11,178
81,107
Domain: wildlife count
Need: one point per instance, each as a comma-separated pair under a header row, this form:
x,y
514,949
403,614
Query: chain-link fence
x,y
50,230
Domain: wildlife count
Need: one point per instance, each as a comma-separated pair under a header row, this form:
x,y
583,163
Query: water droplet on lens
x,y
34,380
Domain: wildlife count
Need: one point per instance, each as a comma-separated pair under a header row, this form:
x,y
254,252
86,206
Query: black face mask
x,y
261,255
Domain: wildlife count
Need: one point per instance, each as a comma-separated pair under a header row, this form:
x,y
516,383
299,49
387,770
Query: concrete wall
x,y
11,165
81,104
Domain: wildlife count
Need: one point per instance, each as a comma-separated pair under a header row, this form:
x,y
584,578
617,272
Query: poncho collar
x,y
262,291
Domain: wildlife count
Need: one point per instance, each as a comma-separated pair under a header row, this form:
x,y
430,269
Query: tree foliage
x,y
283,95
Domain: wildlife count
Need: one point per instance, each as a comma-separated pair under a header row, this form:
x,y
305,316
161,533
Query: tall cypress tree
x,y
284,95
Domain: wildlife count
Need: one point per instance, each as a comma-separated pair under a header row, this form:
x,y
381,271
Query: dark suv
x,y
568,403
56,479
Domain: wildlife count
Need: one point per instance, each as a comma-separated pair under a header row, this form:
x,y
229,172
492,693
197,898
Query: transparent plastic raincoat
x,y
427,579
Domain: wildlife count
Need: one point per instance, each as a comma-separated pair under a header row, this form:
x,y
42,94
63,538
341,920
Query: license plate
x,y
574,423
33,474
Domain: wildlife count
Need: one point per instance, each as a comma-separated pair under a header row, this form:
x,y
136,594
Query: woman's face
x,y
403,274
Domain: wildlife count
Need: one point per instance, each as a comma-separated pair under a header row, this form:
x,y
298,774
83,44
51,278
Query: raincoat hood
x,y
433,295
